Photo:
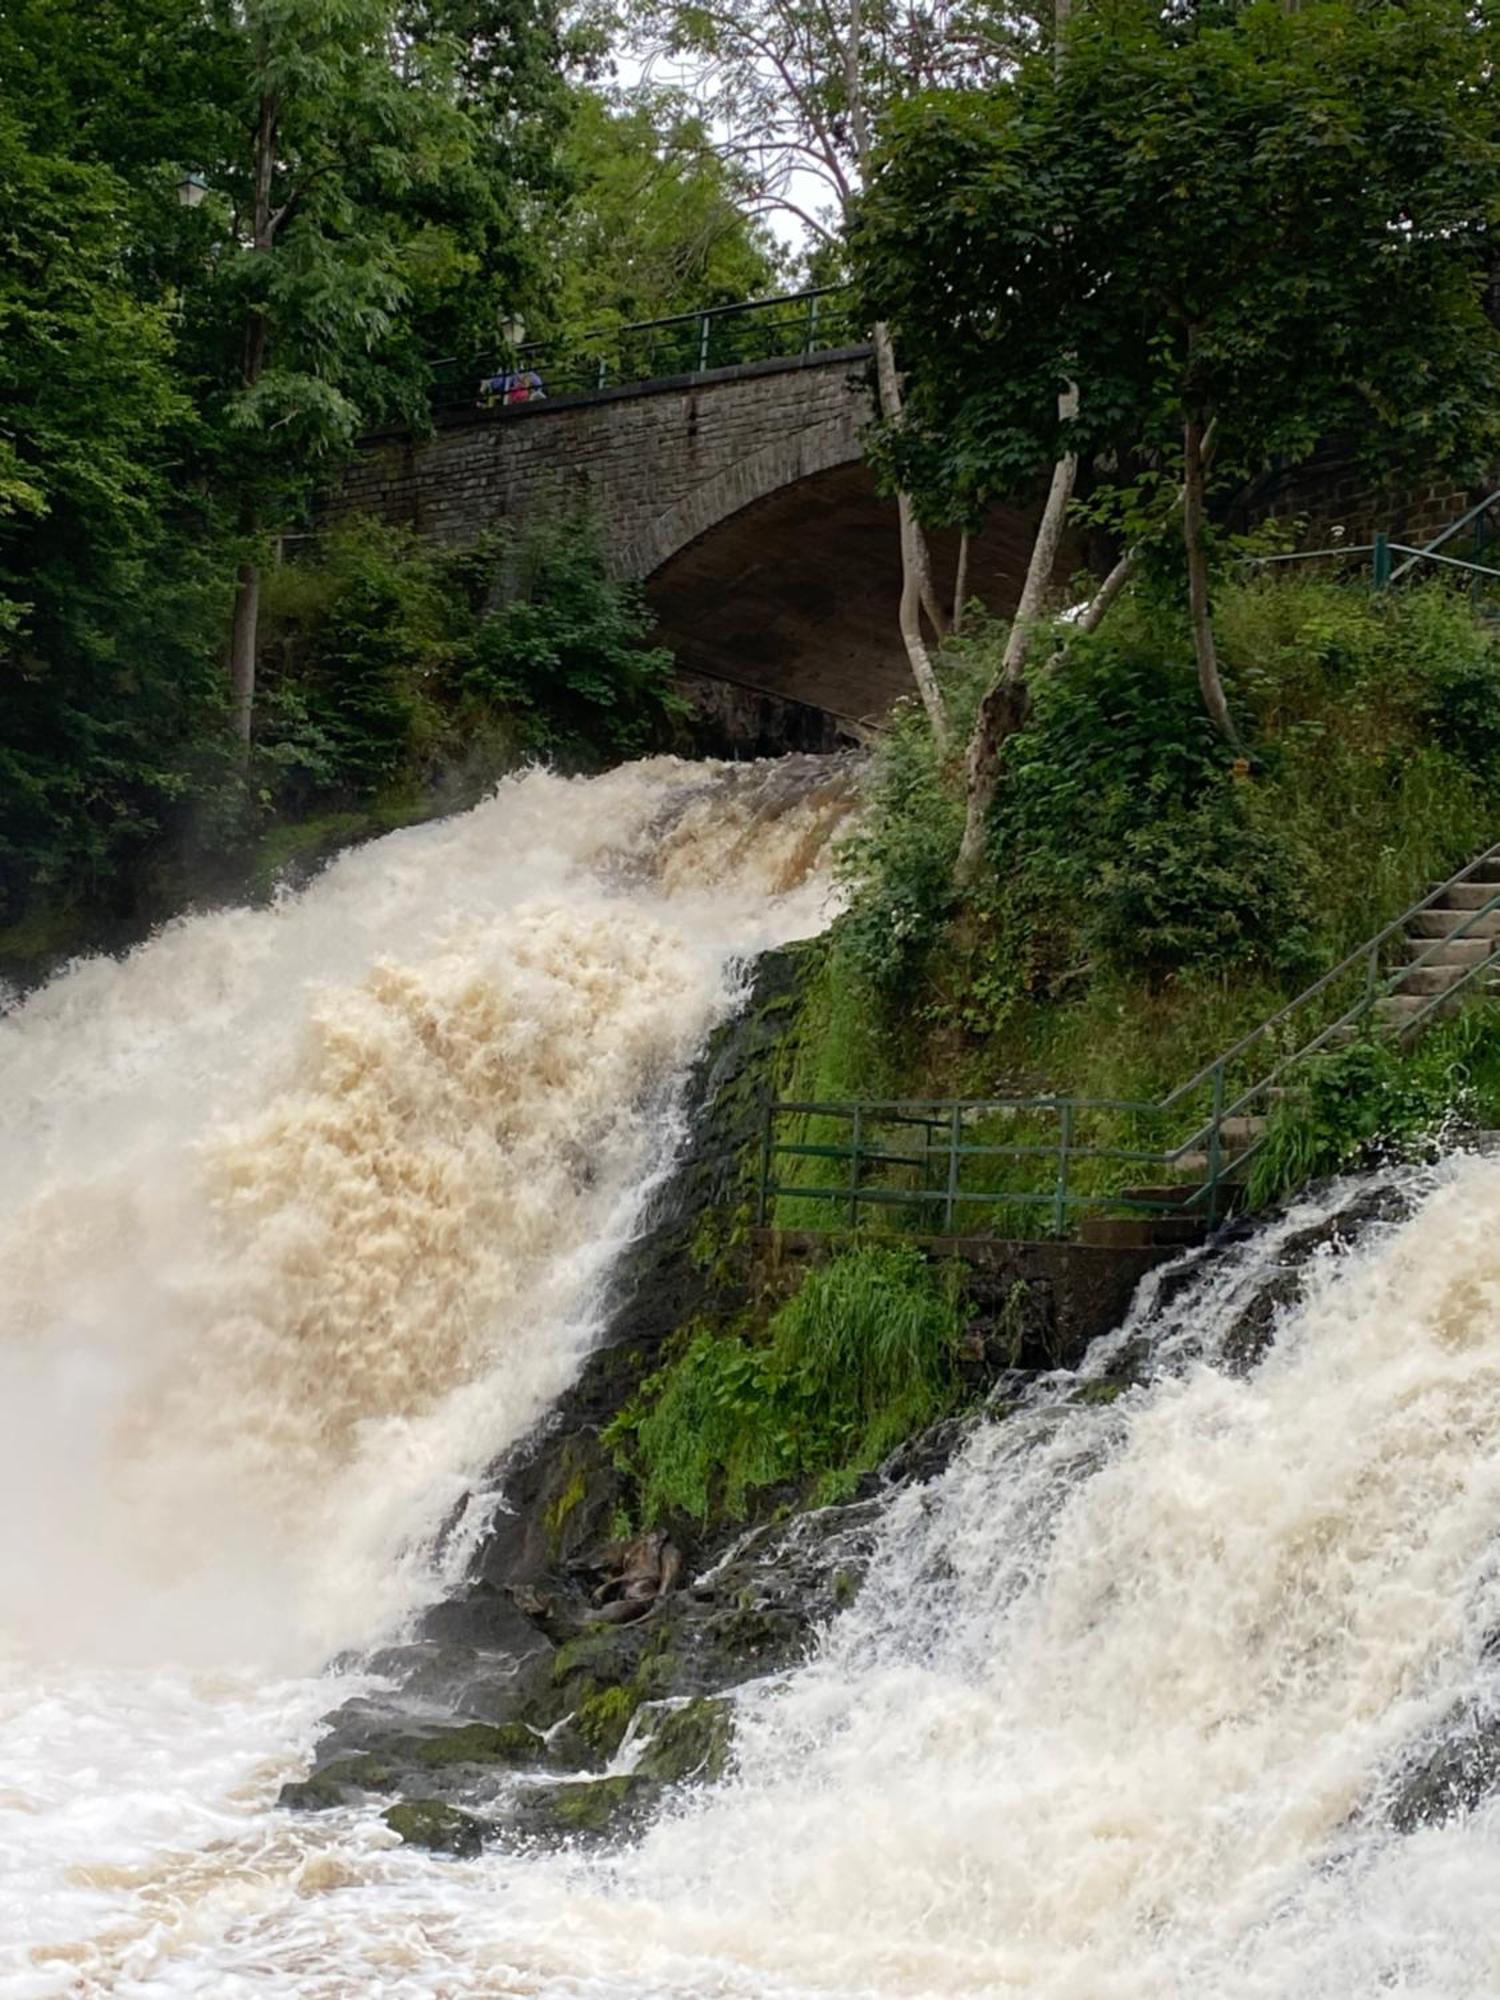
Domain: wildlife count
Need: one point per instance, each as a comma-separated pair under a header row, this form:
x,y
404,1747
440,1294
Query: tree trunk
x,y
1001,714
1003,710
1199,606
245,626
960,583
917,591
910,619
242,647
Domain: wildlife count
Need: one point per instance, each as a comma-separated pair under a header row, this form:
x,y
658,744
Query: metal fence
x,y
1456,552
653,350
968,1165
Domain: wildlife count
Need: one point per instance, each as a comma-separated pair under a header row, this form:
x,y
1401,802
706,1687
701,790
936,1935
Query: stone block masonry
x,y
657,465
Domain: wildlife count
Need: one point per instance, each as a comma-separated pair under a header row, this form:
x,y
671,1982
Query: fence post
x,y
1215,1143
955,1131
705,325
856,1124
762,1207
603,373
1372,976
1381,559
811,341
1060,1195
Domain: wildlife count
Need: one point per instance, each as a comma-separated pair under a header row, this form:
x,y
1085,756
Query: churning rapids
x,y
304,1212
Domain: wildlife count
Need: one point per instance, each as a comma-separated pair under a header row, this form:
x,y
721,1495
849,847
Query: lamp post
x,y
191,189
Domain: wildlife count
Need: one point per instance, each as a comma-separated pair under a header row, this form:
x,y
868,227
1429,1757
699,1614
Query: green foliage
x,y
1273,217
1147,904
861,1356
900,856
177,379
106,675
389,661
1374,1094
1124,809
656,222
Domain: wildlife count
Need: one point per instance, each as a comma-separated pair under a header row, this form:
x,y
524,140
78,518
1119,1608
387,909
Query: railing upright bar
x,y
1215,1142
1064,1143
955,1136
763,1206
856,1128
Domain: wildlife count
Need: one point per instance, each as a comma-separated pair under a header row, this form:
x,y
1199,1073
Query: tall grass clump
x,y
861,1356
1375,1097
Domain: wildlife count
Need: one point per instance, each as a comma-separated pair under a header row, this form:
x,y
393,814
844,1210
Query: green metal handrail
x,y
1481,517
1208,1148
793,324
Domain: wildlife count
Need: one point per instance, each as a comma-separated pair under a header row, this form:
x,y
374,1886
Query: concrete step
x,y
1235,1133
1452,951
1430,979
1132,1232
1487,870
1167,1196
1441,922
1398,1008
1470,895
1197,1163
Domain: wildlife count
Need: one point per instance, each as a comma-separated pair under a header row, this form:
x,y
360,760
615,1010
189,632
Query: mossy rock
x,y
509,1743
590,1809
441,1828
337,1782
602,1718
690,1742
1095,1393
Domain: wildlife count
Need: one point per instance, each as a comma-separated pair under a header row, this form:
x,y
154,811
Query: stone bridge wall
x,y
658,465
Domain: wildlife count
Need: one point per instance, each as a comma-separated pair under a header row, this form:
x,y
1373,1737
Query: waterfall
x,y
305,1211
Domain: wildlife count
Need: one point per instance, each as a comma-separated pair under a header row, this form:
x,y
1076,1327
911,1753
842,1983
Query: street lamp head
x,y
512,331
191,189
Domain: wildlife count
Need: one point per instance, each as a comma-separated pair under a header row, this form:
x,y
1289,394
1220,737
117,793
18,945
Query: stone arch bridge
x,y
736,495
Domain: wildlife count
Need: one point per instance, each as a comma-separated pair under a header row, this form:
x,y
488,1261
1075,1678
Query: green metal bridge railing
x,y
918,1160
684,344
1478,530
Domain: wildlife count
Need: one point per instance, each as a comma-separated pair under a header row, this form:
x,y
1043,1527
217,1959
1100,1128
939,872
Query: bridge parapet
x,y
657,463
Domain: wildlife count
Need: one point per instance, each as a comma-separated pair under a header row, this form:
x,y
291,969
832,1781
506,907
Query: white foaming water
x,y
311,1214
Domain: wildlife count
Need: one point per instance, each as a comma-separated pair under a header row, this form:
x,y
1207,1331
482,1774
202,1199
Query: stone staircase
x,y
1445,940
1445,959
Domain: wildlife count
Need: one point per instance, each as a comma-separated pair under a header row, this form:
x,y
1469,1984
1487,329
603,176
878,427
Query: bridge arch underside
x,y
794,599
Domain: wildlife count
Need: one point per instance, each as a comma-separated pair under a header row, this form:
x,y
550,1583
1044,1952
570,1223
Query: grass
x,y
861,1355
1376,774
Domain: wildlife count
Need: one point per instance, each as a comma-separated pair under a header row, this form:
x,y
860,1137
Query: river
x,y
306,1211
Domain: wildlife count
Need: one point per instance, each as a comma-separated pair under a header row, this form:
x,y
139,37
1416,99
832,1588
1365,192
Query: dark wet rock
x,y
1453,1776
339,1783
435,1825
1281,1285
569,1707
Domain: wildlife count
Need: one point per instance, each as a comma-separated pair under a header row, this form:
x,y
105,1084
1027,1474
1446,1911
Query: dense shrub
x,y
1122,802
388,660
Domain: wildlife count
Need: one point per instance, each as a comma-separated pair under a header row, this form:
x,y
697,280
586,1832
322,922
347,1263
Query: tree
x,y
790,92
91,552
1255,227
655,222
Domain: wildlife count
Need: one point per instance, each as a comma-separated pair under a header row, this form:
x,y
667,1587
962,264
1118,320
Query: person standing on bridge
x,y
512,385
